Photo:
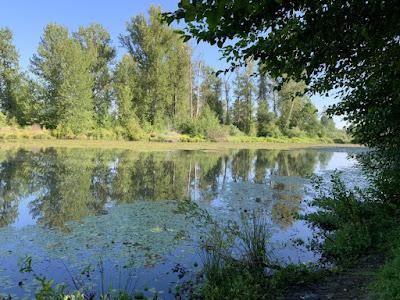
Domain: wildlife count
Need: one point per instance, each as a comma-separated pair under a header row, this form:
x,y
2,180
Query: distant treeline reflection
x,y
62,185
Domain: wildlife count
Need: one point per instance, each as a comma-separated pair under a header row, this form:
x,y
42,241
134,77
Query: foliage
x,y
29,132
96,42
3,120
124,89
387,285
202,125
350,222
211,91
133,130
80,91
14,86
159,54
64,69
291,37
218,134
236,261
280,139
242,111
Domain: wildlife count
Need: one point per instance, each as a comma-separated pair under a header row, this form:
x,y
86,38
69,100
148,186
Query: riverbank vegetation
x,y
77,88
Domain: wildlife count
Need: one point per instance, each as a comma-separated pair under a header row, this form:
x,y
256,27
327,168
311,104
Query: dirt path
x,y
349,284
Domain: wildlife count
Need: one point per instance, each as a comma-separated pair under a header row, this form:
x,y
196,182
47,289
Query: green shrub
x,y
12,136
341,219
192,139
236,258
134,132
294,132
234,131
351,222
25,135
387,285
3,120
217,134
81,136
272,130
63,132
41,136
119,132
207,122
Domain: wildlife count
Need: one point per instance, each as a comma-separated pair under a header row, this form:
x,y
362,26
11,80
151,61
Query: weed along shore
x,y
164,146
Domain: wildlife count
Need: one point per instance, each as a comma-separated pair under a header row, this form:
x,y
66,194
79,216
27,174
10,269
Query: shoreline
x,y
162,146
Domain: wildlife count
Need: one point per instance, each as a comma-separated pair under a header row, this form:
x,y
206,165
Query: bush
x,y
133,131
272,130
3,120
41,136
207,122
119,132
236,260
234,131
387,285
192,139
294,132
63,132
218,134
351,222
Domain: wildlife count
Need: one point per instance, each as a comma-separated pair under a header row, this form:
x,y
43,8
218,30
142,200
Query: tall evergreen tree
x,y
211,91
263,116
227,119
243,106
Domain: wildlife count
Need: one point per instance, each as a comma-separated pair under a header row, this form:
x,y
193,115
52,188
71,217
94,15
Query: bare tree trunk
x,y
290,113
191,91
226,87
198,86
274,103
175,101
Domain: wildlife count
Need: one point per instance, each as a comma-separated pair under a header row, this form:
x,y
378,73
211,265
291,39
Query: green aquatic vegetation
x,y
236,260
126,232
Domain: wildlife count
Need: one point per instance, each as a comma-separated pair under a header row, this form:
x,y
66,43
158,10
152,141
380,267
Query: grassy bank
x,y
164,146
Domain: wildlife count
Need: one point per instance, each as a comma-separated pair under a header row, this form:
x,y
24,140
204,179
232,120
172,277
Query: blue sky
x,y
27,20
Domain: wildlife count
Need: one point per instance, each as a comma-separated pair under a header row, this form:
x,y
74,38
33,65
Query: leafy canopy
x,y
352,46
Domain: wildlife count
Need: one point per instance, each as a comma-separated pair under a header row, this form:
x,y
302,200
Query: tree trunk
x,y
290,113
226,86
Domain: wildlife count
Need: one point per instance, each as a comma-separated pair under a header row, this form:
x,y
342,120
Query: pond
x,y
108,218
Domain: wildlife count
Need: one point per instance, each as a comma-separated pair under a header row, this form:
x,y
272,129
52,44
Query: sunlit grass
x,y
159,146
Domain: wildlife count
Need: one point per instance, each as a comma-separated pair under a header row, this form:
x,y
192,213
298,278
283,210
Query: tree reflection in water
x,y
69,184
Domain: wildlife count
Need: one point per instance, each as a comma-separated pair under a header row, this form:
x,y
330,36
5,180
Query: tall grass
x,y
236,260
30,132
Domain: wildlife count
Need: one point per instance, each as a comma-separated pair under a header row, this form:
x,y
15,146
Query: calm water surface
x,y
110,214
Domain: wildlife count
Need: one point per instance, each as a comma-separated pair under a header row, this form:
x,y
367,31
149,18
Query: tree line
x,y
77,86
